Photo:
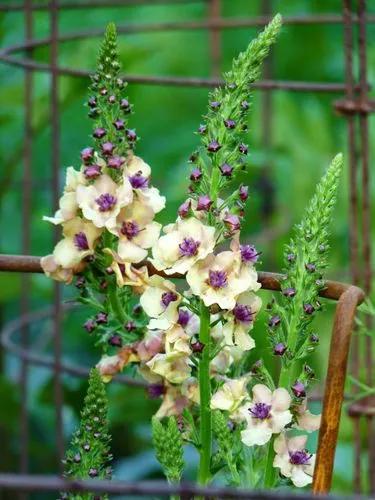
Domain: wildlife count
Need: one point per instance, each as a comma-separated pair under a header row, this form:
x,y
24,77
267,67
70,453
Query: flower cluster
x,y
180,302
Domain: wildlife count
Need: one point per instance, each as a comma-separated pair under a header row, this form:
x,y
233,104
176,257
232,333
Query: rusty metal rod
x,y
79,4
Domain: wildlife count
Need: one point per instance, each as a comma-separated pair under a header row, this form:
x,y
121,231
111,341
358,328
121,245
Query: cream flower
x,y
68,205
102,200
126,274
136,231
138,173
241,320
305,420
78,242
217,280
230,396
160,301
175,366
109,366
55,271
190,389
150,345
268,413
173,402
225,359
185,243
293,460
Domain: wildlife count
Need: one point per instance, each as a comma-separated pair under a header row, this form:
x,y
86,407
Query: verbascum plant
x,y
190,338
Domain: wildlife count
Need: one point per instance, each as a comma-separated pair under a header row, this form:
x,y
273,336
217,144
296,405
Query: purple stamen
x,y
168,297
249,253
300,457
80,241
138,181
130,229
106,202
217,279
242,313
155,390
260,410
183,317
189,247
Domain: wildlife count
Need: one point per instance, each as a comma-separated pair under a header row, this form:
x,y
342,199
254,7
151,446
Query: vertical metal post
x,y
215,38
55,160
366,216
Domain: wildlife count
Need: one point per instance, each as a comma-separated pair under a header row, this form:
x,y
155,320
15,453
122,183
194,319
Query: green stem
x,y
205,398
116,306
269,476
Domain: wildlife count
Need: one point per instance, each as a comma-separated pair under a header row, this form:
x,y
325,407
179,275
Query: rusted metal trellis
x,y
355,107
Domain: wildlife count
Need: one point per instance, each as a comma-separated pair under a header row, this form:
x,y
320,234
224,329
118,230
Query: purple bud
x,y
131,135
249,253
291,257
232,221
193,157
107,148
103,91
93,472
184,209
89,325
80,282
196,174
245,105
197,347
111,99
115,341
231,124
289,292
274,322
92,102
87,155
130,326
232,86
125,104
215,105
310,267
204,203
279,349
101,318
243,149
308,308
183,317
99,133
202,129
226,170
257,367
298,389
137,310
154,391
115,162
103,285
243,192
322,248
314,338
92,171
119,124
213,146
77,458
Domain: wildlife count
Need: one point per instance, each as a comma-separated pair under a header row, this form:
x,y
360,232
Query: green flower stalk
x,y
167,442
89,453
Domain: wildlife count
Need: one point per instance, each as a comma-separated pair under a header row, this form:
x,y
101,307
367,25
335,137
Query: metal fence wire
x,y
354,105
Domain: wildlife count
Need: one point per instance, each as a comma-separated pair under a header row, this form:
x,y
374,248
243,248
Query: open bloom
x,y
126,274
68,205
185,243
55,271
217,280
293,460
175,366
109,366
173,403
160,301
268,413
78,242
305,420
240,321
138,173
136,231
102,200
230,396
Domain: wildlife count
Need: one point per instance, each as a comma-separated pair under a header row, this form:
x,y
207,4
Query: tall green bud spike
x,y
167,442
89,453
305,260
108,106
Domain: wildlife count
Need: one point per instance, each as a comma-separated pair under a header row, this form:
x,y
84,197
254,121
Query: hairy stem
x,y
269,475
116,306
205,398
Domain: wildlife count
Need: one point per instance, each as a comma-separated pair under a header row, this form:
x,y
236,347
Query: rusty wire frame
x,y
355,107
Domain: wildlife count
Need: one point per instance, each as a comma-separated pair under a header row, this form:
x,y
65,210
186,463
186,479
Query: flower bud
x,y
231,124
226,170
184,209
197,347
279,349
154,391
130,326
101,318
93,472
298,389
289,292
274,321
115,162
115,341
243,192
232,86
257,367
245,105
314,338
202,129
92,102
89,325
215,105
107,148
232,221
243,149
99,133
213,146
87,155
310,267
125,105
112,99
131,135
80,282
308,308
92,171
119,124
196,174
291,257
204,203
137,310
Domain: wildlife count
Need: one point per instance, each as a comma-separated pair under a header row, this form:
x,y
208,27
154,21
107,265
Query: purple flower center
x,y
155,390
300,457
242,313
248,253
189,247
80,241
183,317
138,181
106,202
217,279
168,297
130,229
260,410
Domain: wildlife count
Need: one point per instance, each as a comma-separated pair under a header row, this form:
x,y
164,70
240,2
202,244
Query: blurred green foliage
x,y
306,133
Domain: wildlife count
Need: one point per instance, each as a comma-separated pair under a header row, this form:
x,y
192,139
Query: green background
x,y
306,134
